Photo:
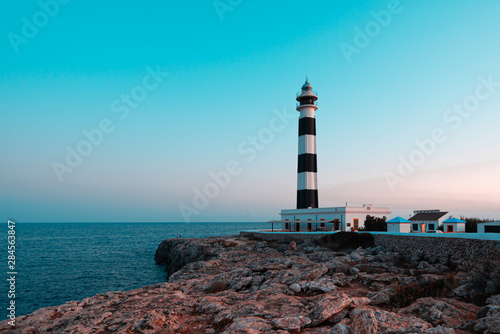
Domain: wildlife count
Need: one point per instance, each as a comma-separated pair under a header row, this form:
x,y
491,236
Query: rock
x,y
448,311
440,330
249,325
338,317
315,273
378,298
328,306
493,300
260,245
292,246
463,290
241,283
359,301
353,271
423,265
217,286
366,320
363,321
355,256
211,305
323,284
341,279
228,285
489,311
340,329
291,323
295,288
488,321
176,253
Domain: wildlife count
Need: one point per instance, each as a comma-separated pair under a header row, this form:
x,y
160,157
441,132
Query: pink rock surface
x,y
236,285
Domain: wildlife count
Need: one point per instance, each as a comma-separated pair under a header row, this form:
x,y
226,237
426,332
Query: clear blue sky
x,y
230,68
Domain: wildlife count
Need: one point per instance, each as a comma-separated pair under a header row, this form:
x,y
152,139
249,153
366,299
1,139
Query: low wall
x,y
467,252
282,236
459,248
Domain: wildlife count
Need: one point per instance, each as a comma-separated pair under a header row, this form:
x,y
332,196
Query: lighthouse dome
x,y
307,86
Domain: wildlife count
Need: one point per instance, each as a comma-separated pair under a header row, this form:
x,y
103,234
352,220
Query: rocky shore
x,y
239,285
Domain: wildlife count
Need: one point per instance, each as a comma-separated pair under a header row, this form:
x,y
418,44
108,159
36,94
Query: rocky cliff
x,y
237,285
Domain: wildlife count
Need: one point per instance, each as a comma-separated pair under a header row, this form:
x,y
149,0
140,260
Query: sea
x,y
61,262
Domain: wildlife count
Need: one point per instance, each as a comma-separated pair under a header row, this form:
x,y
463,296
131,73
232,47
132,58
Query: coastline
x,y
239,285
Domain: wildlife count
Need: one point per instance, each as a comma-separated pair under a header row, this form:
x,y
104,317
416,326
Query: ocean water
x,y
61,262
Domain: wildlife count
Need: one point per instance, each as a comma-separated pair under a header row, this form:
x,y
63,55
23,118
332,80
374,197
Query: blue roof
x,y
398,220
454,220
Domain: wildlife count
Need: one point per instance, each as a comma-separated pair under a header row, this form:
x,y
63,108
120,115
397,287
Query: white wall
x,y
480,227
427,223
457,227
398,228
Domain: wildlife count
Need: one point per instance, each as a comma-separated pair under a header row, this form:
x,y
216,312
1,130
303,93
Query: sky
x,y
161,111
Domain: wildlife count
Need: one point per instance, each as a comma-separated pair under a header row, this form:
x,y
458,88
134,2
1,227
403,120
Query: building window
x,y
449,228
356,224
322,225
287,226
415,227
286,219
309,219
309,227
322,219
297,219
348,224
431,227
297,227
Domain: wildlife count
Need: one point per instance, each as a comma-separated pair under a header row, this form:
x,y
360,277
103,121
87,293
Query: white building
x,y
427,220
343,218
489,227
399,225
454,225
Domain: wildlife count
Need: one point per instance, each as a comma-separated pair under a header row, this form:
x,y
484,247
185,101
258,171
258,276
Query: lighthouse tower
x,y
307,181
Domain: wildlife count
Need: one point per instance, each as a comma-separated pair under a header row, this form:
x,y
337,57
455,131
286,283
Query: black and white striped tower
x,y
307,180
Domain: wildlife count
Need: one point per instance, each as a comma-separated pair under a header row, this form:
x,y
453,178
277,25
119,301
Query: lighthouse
x,y
307,180
308,216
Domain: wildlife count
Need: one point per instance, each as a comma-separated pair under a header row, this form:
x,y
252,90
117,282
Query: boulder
x,y
176,253
295,288
378,298
493,300
440,330
324,284
488,320
366,320
340,329
328,306
447,311
248,325
291,323
315,273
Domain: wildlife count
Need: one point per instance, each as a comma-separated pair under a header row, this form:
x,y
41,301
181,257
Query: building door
x,y
309,227
337,225
297,227
449,228
287,226
356,224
